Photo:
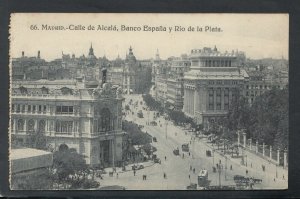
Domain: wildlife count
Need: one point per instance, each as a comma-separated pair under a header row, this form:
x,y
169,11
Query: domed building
x,y
130,73
91,58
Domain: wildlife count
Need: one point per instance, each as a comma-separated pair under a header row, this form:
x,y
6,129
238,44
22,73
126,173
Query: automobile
x,y
153,123
176,151
154,139
157,160
140,114
185,147
137,167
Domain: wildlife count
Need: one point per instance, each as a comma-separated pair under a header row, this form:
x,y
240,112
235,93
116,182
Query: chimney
x,y
22,53
39,55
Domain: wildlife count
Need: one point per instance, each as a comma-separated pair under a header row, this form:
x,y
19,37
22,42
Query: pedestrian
x,y
165,175
190,168
189,154
246,171
283,176
194,170
230,167
117,175
134,172
189,176
145,177
165,158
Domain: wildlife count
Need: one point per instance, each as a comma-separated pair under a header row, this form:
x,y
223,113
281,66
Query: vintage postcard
x,y
148,101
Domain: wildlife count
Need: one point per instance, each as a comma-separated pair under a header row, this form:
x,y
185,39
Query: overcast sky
x,y
258,35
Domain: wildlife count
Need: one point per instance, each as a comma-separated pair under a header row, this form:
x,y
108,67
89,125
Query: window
x,y
96,126
21,125
40,108
64,127
226,98
218,101
29,108
64,110
44,108
23,108
105,119
42,126
211,99
12,108
31,125
33,108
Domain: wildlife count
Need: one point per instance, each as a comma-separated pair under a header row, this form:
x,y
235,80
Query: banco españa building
x,y
47,114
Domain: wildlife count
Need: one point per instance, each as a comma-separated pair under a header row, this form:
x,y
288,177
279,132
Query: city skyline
x,y
242,32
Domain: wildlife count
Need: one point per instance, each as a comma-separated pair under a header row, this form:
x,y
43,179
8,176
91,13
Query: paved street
x,y
177,168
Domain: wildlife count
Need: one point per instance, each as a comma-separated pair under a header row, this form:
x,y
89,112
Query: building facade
x,y
66,112
213,82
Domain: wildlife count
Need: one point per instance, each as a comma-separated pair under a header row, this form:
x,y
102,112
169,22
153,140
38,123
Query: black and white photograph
x,y
119,101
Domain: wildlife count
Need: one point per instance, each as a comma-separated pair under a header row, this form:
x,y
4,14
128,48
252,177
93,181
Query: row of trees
x,y
152,103
266,120
135,134
178,117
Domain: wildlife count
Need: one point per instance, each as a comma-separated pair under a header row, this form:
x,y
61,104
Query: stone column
x,y
215,99
222,99
278,156
285,158
25,125
263,149
15,124
196,100
193,101
244,138
270,152
256,146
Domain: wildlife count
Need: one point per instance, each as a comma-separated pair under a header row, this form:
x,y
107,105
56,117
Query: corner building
x,y
213,82
66,112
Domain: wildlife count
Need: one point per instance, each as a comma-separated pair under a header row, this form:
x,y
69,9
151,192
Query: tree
x,y
135,134
266,120
68,162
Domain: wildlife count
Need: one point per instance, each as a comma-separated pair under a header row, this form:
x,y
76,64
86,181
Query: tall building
x,y
48,114
213,82
129,73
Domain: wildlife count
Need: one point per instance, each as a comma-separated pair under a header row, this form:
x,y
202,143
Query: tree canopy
x,y
266,120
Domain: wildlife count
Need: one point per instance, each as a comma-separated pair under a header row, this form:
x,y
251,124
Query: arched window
x,y
57,126
31,125
42,126
21,125
105,119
